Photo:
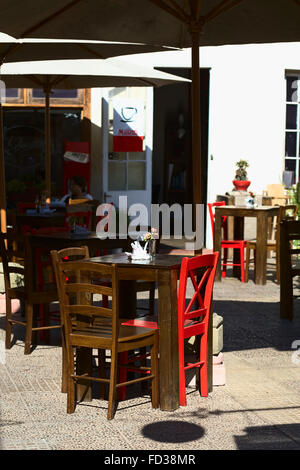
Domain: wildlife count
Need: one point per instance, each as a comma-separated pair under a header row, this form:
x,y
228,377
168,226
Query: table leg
x,y
210,352
261,248
127,299
217,244
168,343
237,235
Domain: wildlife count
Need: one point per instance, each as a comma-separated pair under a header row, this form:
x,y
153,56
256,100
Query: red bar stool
x,y
226,244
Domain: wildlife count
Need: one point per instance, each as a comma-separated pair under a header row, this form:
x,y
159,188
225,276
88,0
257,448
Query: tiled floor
x,y
258,408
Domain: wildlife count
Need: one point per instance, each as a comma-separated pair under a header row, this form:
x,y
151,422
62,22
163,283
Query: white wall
x,y
246,109
96,143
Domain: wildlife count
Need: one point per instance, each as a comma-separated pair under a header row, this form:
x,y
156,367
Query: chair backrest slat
x,y
88,310
200,270
77,288
91,288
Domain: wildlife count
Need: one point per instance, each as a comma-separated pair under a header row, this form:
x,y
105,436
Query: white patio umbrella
x,y
177,23
72,74
20,50
13,50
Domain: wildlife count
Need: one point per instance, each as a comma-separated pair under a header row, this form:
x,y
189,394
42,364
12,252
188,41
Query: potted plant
x,y
241,181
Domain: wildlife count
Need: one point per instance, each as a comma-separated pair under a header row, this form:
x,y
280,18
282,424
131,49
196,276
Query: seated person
x,y
77,190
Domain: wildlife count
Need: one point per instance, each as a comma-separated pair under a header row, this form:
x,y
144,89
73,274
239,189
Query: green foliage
x,y
294,197
241,172
15,185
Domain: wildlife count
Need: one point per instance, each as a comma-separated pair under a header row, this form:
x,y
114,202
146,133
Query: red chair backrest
x,y
82,218
212,218
204,266
76,168
22,206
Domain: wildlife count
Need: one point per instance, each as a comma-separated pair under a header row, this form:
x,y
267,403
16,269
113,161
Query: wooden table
x,y
163,269
60,240
57,219
261,213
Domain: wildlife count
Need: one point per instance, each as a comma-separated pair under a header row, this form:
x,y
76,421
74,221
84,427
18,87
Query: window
x,y
126,170
36,96
292,130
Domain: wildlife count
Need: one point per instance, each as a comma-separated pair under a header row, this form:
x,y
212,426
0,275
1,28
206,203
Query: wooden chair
x,y
79,215
65,255
106,333
227,244
193,319
276,192
289,267
286,212
17,249
193,316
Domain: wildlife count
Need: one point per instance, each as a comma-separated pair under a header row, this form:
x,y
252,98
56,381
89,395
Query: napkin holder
x,y
138,252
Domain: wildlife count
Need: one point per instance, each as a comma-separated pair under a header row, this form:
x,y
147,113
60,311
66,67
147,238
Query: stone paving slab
x,y
257,408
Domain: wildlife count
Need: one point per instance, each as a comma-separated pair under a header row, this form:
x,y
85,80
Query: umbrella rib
x,y
93,53
10,50
195,9
223,6
144,80
176,10
36,80
49,18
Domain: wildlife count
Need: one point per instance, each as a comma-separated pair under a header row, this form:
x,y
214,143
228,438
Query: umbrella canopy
x,y
13,50
72,74
154,21
177,23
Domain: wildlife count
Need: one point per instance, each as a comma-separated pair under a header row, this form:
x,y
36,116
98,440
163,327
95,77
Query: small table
x,y
163,269
57,219
60,240
262,213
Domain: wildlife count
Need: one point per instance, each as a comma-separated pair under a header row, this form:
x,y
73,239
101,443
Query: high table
x,y
163,269
261,213
57,219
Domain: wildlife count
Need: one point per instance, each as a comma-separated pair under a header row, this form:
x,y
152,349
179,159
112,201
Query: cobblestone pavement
x,y
258,408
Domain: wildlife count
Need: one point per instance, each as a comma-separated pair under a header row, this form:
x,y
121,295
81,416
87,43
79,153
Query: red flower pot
x,y
241,185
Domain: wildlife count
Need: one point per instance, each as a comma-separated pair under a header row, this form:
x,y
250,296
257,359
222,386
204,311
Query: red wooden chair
x,y
72,168
80,217
44,270
226,244
193,319
190,322
23,206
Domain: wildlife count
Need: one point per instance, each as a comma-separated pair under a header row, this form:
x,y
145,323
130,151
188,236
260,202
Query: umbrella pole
x,y
2,176
196,133
47,90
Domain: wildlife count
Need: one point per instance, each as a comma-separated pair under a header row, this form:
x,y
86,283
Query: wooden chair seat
x,y
82,336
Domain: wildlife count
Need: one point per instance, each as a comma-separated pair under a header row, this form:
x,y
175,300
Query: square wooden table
x,y
56,219
60,240
163,269
261,213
